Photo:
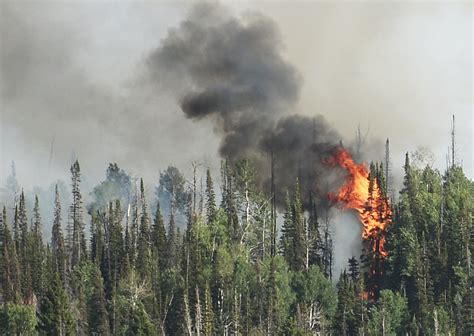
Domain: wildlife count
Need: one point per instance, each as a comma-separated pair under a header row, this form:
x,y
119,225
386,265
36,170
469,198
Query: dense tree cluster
x,y
135,271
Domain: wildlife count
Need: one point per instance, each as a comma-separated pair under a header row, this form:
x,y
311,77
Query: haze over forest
x,y
399,70
227,168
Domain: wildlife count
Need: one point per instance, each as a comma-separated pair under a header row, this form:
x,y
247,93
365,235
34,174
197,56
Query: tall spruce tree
x,y
97,311
211,210
57,240
143,244
54,313
158,237
37,249
299,240
287,232
77,243
172,241
11,275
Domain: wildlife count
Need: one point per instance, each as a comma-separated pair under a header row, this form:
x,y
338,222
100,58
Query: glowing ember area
x,y
362,193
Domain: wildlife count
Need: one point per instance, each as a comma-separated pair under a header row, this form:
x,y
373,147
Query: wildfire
x,y
362,193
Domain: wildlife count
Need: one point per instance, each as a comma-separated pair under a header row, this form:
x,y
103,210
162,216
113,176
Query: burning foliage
x,y
364,192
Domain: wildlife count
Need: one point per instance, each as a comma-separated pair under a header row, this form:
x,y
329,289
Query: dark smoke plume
x,y
231,71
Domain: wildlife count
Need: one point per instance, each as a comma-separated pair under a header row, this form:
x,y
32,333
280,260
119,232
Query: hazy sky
x,y
73,72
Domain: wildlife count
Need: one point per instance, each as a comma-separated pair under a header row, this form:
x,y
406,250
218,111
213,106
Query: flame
x,y
368,200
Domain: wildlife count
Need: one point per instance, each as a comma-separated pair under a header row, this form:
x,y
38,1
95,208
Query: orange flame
x,y
367,199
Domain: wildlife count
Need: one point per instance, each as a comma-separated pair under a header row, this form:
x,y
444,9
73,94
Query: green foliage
x,y
389,316
54,314
18,319
221,276
116,186
97,312
314,291
171,191
139,323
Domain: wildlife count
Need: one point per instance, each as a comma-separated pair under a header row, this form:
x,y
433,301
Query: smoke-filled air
x,y
227,168
232,72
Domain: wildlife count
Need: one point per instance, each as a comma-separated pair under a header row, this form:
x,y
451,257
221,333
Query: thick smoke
x,y
232,71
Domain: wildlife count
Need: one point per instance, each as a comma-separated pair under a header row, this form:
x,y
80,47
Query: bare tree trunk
x,y
198,314
187,316
383,322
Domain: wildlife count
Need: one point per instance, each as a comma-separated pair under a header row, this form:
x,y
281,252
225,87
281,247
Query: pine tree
x,y
299,240
55,317
11,276
77,240
22,240
423,285
354,272
143,246
345,322
96,239
22,247
228,201
78,286
57,240
98,316
2,245
287,232
16,228
11,186
314,236
171,249
211,211
159,238
139,322
133,229
116,243
36,250
127,251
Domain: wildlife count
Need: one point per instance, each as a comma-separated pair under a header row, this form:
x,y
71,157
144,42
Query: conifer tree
x,y
22,240
171,250
220,278
116,242
139,322
36,250
159,237
133,228
54,315
314,244
344,321
57,240
299,240
287,232
127,251
98,316
2,245
22,249
16,228
11,276
143,246
211,211
77,243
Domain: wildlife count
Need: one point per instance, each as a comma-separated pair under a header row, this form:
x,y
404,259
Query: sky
x,y
73,83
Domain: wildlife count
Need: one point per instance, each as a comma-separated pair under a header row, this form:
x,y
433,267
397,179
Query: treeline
x,y
426,284
228,271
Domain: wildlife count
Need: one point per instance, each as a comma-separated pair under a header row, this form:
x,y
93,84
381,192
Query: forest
x,y
188,168
120,266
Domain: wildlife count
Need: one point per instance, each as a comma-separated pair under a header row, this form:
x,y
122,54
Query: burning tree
x,y
364,191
